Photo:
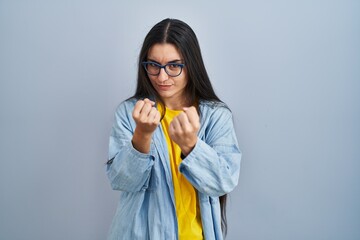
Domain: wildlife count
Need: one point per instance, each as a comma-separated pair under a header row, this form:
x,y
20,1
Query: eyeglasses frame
x,y
181,65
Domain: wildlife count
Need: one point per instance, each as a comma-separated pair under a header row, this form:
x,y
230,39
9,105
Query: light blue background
x,y
290,71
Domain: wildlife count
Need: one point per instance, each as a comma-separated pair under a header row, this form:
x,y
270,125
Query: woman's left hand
x,y
184,128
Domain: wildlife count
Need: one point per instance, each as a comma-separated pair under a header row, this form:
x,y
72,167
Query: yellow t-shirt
x,y
186,199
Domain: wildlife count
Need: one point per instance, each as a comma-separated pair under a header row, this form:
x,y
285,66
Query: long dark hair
x,y
198,87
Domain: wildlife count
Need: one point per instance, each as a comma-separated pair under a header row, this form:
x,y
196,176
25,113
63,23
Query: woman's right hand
x,y
147,118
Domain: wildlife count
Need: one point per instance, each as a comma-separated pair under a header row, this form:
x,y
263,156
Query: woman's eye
x,y
173,65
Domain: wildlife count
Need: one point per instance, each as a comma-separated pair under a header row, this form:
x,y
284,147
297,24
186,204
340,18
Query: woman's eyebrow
x,y
175,61
172,61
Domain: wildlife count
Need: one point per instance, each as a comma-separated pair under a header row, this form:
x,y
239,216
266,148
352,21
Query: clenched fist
x,y
147,118
184,128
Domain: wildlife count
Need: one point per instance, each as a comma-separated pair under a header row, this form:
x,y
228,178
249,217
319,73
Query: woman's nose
x,y
163,75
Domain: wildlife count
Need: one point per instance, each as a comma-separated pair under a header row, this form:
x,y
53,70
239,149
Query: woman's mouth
x,y
165,87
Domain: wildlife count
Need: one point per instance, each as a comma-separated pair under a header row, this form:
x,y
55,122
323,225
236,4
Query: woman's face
x,y
170,89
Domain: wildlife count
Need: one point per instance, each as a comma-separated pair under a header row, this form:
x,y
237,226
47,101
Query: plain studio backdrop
x,y
289,70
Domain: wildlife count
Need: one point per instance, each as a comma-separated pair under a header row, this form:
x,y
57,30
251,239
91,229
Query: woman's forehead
x,y
164,52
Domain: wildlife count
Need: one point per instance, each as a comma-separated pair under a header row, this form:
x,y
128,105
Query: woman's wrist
x,y
185,150
141,142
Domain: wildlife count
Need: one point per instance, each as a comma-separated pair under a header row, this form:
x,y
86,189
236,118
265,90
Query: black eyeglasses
x,y
172,69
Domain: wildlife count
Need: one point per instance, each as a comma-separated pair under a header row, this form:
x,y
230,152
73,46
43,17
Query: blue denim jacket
x,y
146,208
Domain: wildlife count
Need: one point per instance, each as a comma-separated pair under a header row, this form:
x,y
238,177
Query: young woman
x,y
173,150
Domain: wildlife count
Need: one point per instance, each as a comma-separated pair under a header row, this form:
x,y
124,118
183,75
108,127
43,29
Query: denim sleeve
x,y
213,166
128,169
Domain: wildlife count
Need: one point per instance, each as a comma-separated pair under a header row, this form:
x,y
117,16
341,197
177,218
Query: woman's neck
x,y
176,104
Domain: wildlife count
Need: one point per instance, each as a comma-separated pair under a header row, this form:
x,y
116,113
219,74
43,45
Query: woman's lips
x,y
164,87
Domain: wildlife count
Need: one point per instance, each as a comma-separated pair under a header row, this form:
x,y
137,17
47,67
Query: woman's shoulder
x,y
125,107
212,106
130,102
214,110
